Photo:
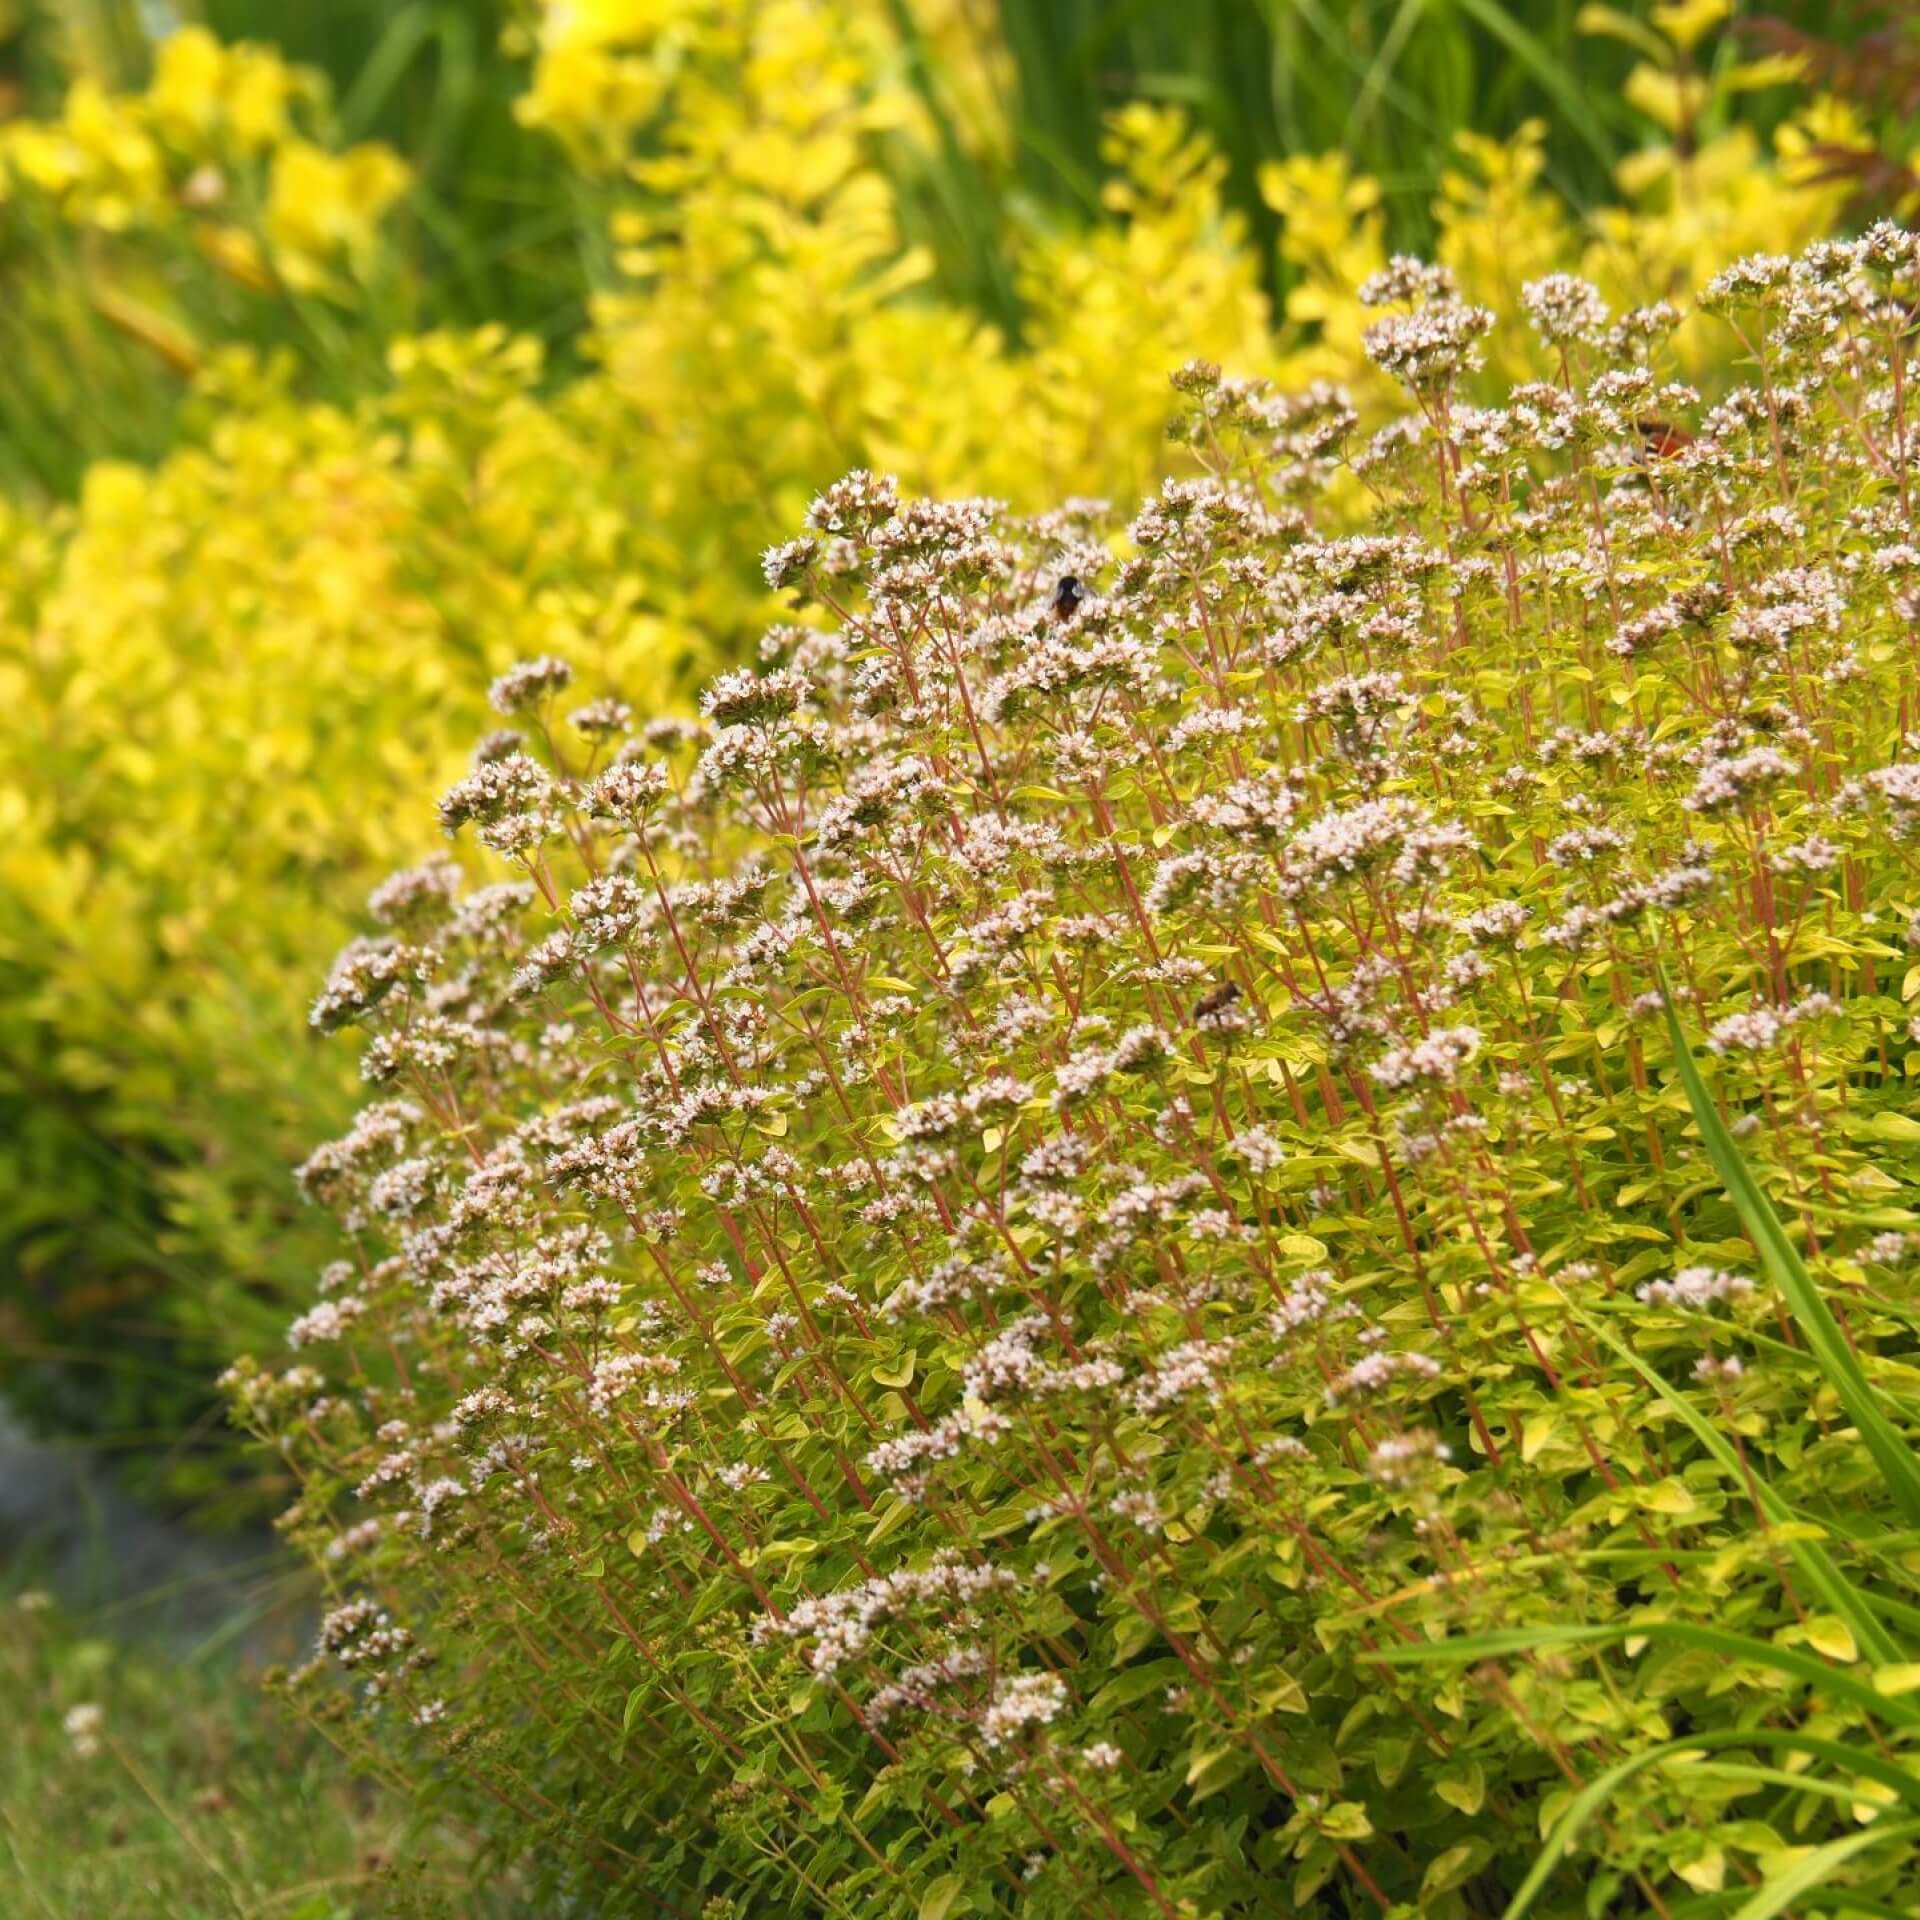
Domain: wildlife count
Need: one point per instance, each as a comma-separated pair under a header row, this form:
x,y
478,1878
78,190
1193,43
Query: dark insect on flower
x,y
1068,597
1215,1002
1661,438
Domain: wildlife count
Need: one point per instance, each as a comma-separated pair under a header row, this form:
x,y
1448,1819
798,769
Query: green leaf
x,y
1391,1752
1899,1467
1464,1787
796,1549
1346,1820
938,1900
1136,1683
893,1516
1448,1869
1221,1769
1132,1635
1313,1873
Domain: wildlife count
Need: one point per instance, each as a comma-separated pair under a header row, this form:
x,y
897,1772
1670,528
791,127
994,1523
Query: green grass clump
x,y
1192,1216
138,1782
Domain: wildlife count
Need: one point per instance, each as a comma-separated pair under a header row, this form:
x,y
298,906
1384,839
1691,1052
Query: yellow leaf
x,y
1687,22
1706,1872
1666,98
1610,23
1832,1636
1284,1695
1668,1496
1465,1789
1870,1799
1775,70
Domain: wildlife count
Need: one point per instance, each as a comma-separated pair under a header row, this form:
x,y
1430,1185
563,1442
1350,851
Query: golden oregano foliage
x,y
1064,1260
218,674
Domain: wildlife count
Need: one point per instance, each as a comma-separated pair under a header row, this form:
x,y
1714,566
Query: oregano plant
x,y
1071,1256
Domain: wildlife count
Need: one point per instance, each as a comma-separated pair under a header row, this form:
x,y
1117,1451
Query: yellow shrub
x,y
1688,206
182,151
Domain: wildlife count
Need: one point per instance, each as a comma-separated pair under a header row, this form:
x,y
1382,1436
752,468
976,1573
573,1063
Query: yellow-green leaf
x,y
1832,1636
1687,22
1464,1787
1705,1872
939,1899
1448,1869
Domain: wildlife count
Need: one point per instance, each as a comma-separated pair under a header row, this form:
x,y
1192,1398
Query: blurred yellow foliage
x,y
207,95
183,150
1679,221
324,207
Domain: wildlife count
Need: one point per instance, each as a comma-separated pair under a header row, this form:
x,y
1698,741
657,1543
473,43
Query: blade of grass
x,y
1325,28
1816,1567
1804,1667
1899,1467
1586,1804
1845,1794
1812,1869
1405,19
958,182
400,43
1549,74
1864,1906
